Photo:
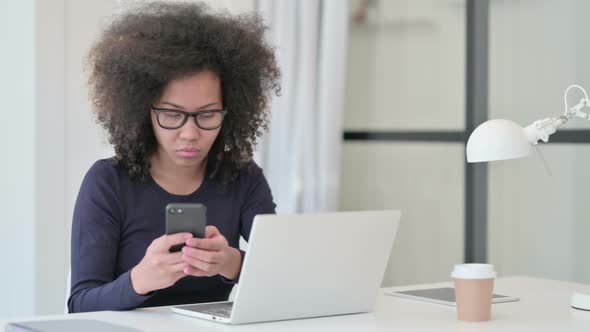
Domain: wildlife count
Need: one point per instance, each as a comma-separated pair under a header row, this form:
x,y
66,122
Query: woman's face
x,y
189,145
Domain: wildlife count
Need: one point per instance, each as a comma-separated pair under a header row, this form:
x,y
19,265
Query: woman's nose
x,y
189,130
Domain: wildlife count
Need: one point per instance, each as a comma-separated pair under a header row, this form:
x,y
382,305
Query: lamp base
x,y
581,301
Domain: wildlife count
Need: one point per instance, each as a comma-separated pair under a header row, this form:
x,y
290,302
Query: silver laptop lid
x,y
310,265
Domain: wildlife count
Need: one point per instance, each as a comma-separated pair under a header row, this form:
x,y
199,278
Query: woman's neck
x,y
176,179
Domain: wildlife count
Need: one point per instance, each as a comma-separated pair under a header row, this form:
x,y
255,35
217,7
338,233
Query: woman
x,y
182,94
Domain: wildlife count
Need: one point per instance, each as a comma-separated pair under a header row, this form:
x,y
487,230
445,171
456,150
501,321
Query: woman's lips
x,y
188,152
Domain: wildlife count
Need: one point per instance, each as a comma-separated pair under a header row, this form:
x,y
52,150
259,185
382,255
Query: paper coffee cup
x,y
474,285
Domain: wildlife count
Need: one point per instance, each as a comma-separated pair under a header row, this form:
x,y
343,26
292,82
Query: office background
x,y
405,113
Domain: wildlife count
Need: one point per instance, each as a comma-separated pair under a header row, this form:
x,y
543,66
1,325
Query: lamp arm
x,y
541,129
576,109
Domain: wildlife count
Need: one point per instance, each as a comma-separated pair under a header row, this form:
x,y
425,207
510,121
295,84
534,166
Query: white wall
x,y
84,139
406,70
50,244
17,169
537,223
407,73
49,149
406,67
54,142
394,175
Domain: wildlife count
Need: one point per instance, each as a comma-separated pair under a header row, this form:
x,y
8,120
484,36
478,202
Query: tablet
x,y
445,295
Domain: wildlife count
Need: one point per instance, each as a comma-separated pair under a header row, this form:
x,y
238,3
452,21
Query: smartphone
x,y
186,217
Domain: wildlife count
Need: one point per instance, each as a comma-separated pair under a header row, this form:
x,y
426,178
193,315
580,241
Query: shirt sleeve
x,y
96,229
257,200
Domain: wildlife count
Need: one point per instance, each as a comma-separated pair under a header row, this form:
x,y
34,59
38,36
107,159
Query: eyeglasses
x,y
174,119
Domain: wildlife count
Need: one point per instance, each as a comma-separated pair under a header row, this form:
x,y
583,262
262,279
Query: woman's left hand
x,y
211,255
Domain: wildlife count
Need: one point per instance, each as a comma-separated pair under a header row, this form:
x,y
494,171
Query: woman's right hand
x,y
159,268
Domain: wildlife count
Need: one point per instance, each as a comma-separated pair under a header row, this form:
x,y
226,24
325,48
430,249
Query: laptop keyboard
x,y
215,309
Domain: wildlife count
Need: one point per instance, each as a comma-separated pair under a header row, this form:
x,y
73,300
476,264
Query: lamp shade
x,y
498,139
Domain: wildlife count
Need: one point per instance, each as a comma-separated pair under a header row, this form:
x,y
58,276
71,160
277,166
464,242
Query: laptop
x,y
308,265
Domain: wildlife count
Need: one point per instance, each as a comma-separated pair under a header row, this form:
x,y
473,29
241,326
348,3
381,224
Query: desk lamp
x,y
502,139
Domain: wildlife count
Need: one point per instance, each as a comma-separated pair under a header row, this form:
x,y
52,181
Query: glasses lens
x,y
209,120
171,119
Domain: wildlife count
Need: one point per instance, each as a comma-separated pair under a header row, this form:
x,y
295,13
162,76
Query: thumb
x,y
211,231
175,239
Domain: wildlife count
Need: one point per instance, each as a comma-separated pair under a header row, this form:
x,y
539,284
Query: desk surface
x,y
543,306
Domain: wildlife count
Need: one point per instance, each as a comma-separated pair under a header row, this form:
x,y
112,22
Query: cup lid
x,y
474,271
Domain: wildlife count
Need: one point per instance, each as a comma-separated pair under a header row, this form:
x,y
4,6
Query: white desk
x,y
543,306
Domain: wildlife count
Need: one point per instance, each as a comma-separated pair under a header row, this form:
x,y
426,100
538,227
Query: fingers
x,y
172,258
210,244
165,259
164,242
192,271
211,231
177,271
178,267
178,238
199,264
213,241
202,255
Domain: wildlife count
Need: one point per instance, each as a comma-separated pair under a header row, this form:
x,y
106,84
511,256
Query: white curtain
x,y
301,153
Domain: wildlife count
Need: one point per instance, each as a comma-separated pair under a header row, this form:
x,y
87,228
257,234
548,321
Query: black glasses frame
x,y
186,115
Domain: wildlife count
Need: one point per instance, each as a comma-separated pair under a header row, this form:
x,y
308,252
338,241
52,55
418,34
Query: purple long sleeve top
x,y
116,219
